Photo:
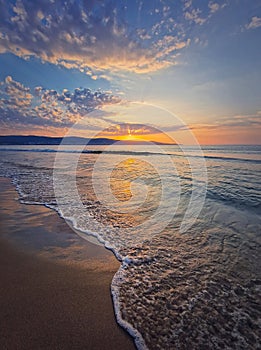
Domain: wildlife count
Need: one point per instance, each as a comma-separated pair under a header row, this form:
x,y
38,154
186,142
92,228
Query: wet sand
x,y
55,287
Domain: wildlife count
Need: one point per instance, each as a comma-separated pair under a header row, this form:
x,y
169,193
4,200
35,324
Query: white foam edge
x,y
134,333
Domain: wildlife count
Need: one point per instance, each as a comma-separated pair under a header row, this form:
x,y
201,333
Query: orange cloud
x,y
74,36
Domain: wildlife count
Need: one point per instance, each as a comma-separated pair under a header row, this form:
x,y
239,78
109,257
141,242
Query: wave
x,y
131,153
157,274
118,277
250,204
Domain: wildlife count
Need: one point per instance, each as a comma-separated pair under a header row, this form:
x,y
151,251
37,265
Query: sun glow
x,y
128,137
163,138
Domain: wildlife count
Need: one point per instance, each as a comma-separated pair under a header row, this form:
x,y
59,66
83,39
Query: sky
x,y
165,68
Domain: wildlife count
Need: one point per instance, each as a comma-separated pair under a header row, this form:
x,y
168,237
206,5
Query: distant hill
x,y
45,140
73,140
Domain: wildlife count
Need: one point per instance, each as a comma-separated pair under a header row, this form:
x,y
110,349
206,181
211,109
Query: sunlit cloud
x,y
194,15
175,54
237,129
254,23
237,121
197,15
98,39
130,129
214,7
20,105
187,4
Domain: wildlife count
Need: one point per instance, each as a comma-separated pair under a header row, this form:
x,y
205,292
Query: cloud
x,y
251,120
213,6
90,36
18,93
194,16
138,130
254,23
132,129
19,105
237,121
187,4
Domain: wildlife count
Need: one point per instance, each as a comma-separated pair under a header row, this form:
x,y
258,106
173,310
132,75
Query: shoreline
x,y
55,286
94,240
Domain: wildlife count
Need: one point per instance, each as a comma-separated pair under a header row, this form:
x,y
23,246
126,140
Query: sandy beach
x,y
55,287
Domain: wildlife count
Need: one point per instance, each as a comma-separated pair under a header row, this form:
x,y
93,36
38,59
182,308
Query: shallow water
x,y
197,288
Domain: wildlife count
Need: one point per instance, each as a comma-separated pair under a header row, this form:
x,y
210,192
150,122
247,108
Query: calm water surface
x,y
198,289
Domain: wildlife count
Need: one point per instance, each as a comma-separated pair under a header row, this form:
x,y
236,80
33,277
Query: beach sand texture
x,y
55,287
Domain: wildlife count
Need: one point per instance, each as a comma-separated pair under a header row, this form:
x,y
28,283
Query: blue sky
x,y
61,60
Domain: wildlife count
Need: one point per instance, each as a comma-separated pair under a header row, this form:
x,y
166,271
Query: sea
x,y
184,223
